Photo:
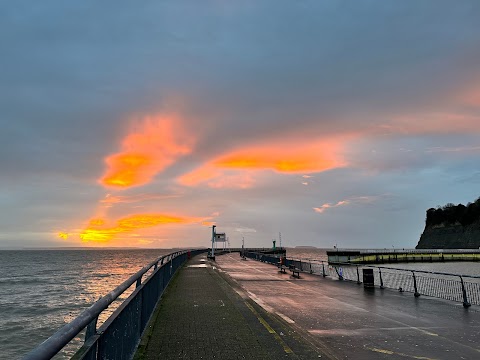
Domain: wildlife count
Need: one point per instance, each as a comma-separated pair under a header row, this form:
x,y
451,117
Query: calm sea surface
x,y
42,290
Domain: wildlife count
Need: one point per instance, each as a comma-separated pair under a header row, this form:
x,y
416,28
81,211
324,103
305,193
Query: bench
x,y
282,269
294,271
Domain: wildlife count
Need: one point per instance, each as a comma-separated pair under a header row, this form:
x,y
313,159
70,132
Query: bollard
x,y
381,280
323,269
358,277
466,304
416,293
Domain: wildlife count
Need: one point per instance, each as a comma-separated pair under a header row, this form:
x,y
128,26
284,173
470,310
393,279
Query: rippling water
x,y
40,291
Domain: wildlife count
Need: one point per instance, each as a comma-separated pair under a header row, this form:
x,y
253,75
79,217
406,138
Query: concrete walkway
x,y
345,321
234,309
205,315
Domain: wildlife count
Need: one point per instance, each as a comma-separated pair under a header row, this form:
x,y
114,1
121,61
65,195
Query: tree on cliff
x,y
451,214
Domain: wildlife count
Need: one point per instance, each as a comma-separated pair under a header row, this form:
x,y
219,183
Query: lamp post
x,y
212,255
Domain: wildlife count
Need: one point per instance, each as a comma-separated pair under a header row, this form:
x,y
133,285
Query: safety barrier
x,y
454,287
119,335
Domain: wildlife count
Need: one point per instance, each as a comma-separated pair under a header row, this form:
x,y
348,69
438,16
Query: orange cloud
x,y
326,206
63,235
285,158
350,201
156,144
110,199
98,231
208,223
236,168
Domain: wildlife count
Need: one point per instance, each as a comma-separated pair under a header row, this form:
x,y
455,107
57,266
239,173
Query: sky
x,y
142,124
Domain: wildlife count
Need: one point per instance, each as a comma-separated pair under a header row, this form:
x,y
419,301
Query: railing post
x,y
381,279
91,328
466,304
416,293
358,277
323,269
139,282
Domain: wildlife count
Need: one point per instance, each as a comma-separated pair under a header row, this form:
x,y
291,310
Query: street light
x,y
212,255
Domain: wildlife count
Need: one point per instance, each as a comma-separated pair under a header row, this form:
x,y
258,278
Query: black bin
x,y
368,280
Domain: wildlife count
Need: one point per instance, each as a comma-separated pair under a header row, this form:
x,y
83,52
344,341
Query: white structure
x,y
221,238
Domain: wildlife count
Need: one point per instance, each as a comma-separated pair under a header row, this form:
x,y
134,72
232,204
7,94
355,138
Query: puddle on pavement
x,y
198,266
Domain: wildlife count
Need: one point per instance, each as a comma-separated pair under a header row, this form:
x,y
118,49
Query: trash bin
x,y
368,280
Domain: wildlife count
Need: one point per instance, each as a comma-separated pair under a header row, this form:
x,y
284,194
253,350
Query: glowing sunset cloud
x,y
208,223
158,142
63,235
349,201
236,169
287,158
98,231
326,206
118,199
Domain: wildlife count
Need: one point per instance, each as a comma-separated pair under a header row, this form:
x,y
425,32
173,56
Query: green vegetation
x,y
452,214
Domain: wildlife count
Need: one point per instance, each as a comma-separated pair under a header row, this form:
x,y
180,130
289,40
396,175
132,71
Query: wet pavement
x,y
342,320
236,309
204,314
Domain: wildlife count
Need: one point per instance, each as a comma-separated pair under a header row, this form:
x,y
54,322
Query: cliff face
x,y
450,236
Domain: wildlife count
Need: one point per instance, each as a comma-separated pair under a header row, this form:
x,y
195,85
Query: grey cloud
x,y
72,74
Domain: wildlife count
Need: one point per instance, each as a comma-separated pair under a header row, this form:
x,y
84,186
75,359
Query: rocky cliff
x,y
452,227
450,236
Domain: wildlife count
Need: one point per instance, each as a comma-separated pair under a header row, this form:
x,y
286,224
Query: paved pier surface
x,y
248,310
202,316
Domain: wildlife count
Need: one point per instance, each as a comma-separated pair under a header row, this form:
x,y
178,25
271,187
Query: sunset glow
x,y
297,157
236,169
63,235
296,122
156,143
99,231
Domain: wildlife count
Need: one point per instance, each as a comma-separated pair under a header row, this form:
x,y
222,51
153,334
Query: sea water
x,y
42,290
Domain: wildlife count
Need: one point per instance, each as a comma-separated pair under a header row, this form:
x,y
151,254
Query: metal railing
x,y
119,335
403,250
454,287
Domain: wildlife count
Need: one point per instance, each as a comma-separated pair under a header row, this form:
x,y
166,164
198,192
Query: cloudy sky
x,y
144,123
